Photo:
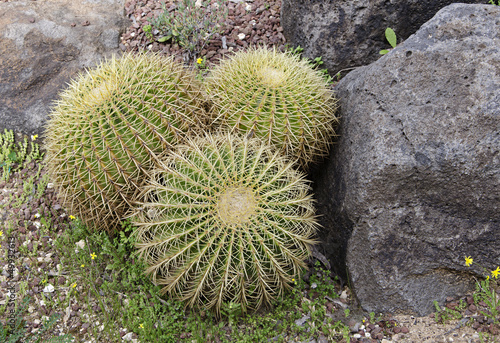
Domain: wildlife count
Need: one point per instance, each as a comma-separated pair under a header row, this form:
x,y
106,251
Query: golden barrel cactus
x,y
109,127
225,220
276,97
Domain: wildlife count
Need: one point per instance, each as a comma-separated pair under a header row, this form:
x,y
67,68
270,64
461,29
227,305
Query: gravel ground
x,y
259,21
251,22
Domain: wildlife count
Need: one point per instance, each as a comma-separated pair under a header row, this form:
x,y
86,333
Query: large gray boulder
x,y
43,45
413,183
350,33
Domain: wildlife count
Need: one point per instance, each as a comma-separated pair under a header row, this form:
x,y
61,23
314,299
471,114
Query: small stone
x,y
49,288
241,36
128,337
302,321
86,23
50,185
80,244
356,335
355,327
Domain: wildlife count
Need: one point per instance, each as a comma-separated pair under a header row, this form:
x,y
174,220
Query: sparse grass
x,y
105,286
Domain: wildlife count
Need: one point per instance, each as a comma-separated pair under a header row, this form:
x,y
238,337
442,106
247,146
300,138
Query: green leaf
x,y
164,38
12,156
383,52
390,35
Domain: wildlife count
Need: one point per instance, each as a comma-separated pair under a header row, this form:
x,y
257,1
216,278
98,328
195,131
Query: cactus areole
x,y
225,219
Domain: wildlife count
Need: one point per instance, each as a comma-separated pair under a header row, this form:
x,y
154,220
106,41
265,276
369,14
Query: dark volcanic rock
x,y
41,50
413,184
350,33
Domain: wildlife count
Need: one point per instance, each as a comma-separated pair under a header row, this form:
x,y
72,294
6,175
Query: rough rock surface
x,y
350,33
43,44
413,184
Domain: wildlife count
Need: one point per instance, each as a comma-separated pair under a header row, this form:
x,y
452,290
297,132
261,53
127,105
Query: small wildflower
x,y
495,272
93,255
82,265
199,60
73,285
34,137
487,278
72,217
468,261
141,326
1,233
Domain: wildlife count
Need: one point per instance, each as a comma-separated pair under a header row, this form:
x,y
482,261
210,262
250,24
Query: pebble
x,y
49,288
128,337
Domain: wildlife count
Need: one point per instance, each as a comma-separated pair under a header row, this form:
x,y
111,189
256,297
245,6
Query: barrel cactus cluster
x,y
211,174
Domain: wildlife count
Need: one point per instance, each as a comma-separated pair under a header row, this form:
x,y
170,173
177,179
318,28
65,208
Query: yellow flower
x,y
34,137
1,233
73,285
92,256
72,217
82,265
141,326
468,261
495,272
199,60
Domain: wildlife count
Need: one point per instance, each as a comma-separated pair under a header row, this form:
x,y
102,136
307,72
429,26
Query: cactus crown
x,y
225,220
109,126
276,97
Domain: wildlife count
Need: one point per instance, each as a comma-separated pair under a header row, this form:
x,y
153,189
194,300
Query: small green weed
x,y
486,291
148,31
16,156
444,315
390,35
493,2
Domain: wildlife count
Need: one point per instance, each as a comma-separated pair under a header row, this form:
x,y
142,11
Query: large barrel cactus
x,y
109,127
225,220
277,97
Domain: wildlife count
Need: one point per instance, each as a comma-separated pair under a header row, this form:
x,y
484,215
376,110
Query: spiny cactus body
x,y
225,220
108,128
276,97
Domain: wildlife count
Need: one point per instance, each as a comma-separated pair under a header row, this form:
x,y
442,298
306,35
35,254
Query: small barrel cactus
x,y
225,220
109,127
277,97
